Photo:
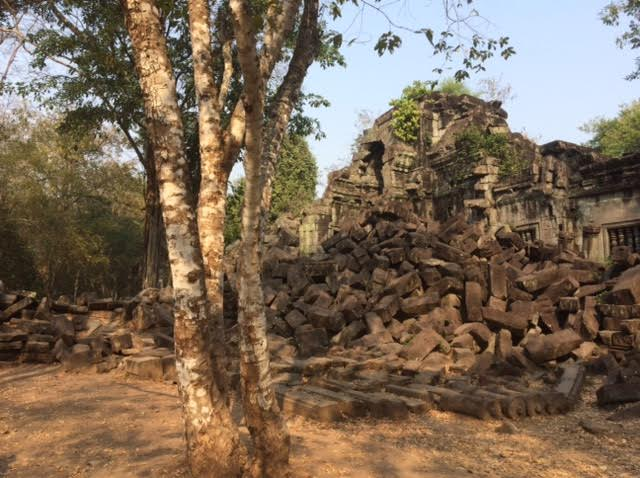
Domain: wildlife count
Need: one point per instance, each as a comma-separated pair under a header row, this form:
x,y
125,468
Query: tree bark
x,y
213,179
155,249
287,95
268,429
213,445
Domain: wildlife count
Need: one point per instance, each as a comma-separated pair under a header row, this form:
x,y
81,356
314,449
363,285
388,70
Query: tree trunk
x,y
268,429
213,445
155,249
287,95
213,179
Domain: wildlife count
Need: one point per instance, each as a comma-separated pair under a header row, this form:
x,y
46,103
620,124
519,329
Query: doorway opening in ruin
x,y
374,158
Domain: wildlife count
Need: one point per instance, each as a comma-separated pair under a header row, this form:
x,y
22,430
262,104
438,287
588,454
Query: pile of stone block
x,y
136,334
317,388
445,297
620,312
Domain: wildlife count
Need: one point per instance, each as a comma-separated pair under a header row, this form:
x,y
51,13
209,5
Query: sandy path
x,y
56,424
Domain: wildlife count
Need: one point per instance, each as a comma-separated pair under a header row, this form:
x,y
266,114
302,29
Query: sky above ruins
x,y
567,69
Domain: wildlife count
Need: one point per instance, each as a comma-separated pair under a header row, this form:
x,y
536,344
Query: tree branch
x,y
227,74
279,114
279,25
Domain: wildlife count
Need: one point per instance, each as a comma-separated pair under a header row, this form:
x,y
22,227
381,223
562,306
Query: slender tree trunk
x,y
287,95
213,446
268,429
213,179
155,249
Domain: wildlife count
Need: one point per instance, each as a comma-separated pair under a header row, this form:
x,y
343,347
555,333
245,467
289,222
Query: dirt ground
x,y
57,424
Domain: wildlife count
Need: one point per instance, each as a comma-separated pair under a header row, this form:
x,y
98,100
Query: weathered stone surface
x,y
480,332
504,345
418,305
80,356
619,311
627,288
539,280
13,309
64,328
618,393
295,319
473,301
561,288
145,367
569,304
311,341
590,322
404,284
550,347
374,323
13,336
387,307
11,346
498,304
422,345
498,281
508,320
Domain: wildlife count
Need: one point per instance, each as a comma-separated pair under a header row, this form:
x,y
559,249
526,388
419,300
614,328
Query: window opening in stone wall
x,y
528,234
628,235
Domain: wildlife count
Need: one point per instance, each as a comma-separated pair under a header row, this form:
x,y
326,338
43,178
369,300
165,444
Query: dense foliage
x,y
617,136
233,211
472,142
71,208
294,186
406,111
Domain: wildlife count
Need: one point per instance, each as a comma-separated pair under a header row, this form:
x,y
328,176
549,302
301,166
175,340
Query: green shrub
x,y
405,119
473,141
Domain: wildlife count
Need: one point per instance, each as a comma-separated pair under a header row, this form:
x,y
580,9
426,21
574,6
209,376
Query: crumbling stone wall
x,y
563,193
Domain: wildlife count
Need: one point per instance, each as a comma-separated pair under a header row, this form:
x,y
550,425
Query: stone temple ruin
x,y
429,275
557,192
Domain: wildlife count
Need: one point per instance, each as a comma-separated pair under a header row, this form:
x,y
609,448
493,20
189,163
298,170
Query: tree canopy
x,y
616,136
72,206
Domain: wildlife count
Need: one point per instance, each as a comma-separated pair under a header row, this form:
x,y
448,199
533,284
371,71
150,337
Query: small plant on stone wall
x,y
406,119
473,142
406,113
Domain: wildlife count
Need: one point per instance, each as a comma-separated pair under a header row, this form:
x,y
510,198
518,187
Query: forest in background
x,y
72,204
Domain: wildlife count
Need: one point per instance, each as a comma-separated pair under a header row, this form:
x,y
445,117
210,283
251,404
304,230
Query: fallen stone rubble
x,y
392,293
135,334
396,315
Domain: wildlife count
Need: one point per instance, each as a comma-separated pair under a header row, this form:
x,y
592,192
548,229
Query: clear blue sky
x,y
567,69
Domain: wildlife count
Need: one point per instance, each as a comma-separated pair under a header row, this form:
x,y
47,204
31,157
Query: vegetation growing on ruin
x,y
406,110
472,142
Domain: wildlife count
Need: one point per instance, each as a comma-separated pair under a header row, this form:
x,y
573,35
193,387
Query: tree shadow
x,y
5,461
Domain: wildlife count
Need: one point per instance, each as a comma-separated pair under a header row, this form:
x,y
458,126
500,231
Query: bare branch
x,y
227,74
279,24
306,49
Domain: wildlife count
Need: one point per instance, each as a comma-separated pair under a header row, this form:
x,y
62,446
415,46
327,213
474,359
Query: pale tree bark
x,y
213,446
213,178
266,425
